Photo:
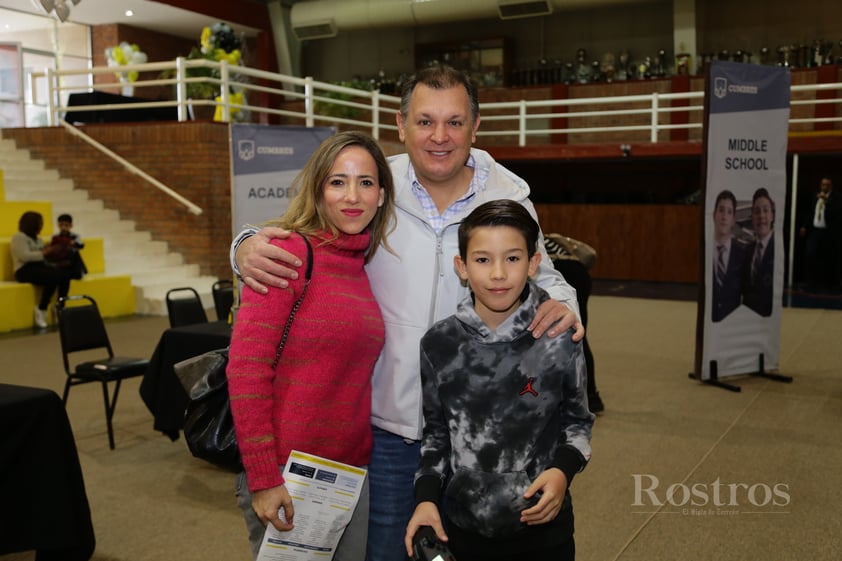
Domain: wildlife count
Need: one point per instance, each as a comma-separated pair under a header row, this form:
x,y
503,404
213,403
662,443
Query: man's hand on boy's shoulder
x,y
554,318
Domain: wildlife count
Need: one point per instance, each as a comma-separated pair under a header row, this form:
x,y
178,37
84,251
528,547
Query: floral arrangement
x,y
218,42
122,55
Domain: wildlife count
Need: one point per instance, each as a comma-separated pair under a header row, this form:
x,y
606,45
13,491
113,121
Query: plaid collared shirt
x,y
438,221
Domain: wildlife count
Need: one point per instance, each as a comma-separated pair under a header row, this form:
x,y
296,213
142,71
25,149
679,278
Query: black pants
x,y
822,252
578,277
43,275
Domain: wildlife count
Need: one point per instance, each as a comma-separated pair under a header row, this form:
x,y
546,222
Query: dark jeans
x,y
43,275
391,476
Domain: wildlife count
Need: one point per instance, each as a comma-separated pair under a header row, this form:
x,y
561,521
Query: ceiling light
x,y
129,13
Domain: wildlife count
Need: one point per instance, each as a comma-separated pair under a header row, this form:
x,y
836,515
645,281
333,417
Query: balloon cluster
x,y
125,54
218,42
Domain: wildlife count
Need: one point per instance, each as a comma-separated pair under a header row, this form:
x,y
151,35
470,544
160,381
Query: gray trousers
x,y
351,545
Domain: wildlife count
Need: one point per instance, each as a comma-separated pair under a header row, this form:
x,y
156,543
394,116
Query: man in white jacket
x,y
438,182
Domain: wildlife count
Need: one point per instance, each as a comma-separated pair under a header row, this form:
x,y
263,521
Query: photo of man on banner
x,y
759,287
730,256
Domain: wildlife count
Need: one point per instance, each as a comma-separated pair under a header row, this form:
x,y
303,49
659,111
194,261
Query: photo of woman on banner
x,y
729,258
759,272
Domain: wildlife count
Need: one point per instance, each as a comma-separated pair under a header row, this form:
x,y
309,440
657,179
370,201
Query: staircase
x,y
152,267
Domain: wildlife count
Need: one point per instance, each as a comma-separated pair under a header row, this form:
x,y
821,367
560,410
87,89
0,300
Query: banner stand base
x,y
761,373
715,381
768,375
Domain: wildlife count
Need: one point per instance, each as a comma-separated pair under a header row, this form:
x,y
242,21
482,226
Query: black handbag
x,y
208,422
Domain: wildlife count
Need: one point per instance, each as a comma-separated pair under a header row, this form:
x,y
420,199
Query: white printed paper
x,y
324,494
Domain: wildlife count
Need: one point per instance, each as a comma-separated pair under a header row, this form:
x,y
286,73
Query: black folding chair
x,y
184,307
80,329
223,298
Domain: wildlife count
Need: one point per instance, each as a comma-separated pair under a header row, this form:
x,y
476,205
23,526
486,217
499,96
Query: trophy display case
x,y
487,61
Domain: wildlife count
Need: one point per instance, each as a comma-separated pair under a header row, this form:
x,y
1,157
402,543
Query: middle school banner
x,y
745,198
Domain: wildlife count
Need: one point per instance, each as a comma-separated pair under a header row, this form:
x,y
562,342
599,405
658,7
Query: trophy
x,y
623,67
764,55
784,55
644,68
660,64
682,64
607,67
583,70
569,75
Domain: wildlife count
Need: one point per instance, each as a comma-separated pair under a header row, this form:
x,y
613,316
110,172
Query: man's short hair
x,y
440,77
725,194
65,218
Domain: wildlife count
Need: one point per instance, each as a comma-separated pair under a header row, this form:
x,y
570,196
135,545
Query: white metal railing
x,y
318,100
311,102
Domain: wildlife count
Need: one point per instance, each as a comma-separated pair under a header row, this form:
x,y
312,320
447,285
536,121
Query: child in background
x,y
506,416
67,245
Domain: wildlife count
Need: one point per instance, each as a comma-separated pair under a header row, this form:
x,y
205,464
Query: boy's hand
x,y
556,317
426,514
260,262
553,485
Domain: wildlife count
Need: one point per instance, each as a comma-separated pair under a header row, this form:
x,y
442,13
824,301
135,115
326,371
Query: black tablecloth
x,y
127,115
160,389
44,505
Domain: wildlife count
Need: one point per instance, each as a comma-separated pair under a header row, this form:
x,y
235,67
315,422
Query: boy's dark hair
x,y
65,218
503,212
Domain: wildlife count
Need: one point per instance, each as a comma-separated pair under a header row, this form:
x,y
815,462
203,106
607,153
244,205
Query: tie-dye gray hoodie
x,y
500,407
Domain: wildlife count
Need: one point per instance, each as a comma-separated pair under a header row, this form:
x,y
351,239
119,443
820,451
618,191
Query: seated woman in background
x,y
29,260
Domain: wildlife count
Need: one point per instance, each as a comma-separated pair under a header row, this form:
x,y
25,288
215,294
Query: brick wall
x,y
193,159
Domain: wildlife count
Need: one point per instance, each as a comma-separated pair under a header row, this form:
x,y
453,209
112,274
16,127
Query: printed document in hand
x,y
324,494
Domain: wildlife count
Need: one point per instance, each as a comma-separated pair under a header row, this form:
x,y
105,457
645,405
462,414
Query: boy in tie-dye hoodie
x,y
506,416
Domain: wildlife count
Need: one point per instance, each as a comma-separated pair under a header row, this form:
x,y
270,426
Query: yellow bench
x,y
113,293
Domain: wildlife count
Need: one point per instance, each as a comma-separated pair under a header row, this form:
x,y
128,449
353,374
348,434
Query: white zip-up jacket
x,y
419,286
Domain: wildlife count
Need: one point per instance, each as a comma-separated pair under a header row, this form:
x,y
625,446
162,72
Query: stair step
x,y
129,252
128,264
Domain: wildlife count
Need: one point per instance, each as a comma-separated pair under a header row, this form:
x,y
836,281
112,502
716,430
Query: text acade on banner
x,y
274,192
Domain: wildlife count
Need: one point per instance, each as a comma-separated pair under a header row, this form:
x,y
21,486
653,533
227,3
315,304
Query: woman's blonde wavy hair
x,y
305,213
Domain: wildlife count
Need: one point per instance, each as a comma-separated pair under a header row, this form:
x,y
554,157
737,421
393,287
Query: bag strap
x,y
308,273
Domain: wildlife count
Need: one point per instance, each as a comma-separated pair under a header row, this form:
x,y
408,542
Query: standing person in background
x,y
822,230
438,182
729,258
317,399
563,252
67,244
759,274
507,424
30,262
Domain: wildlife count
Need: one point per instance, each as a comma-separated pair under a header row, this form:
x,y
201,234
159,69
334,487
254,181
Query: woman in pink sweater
x,y
318,398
